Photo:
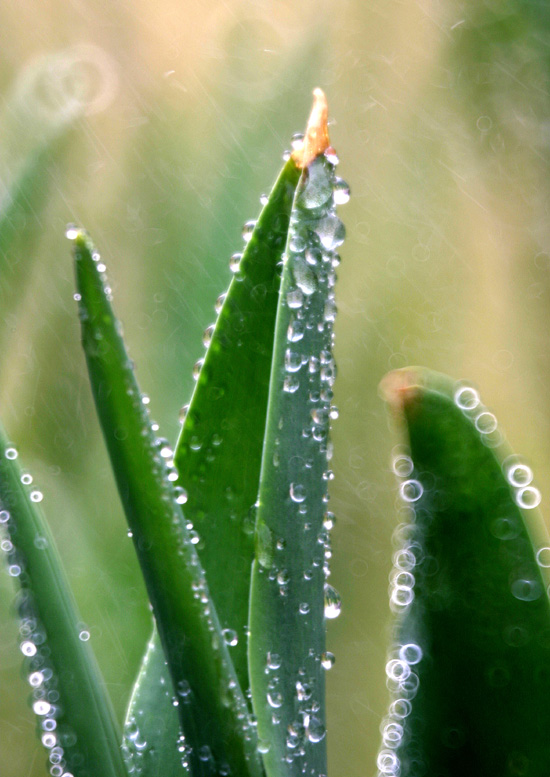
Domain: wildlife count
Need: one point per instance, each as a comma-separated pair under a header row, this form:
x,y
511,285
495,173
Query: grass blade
x,y
76,720
469,666
219,451
215,719
153,744
287,628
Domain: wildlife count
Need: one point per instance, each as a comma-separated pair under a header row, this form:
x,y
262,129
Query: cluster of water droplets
x,y
56,735
403,660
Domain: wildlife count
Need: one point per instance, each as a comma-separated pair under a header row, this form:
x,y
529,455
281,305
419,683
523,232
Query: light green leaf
x,y
68,694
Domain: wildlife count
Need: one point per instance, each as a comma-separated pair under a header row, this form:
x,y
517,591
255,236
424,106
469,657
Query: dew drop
x,y
248,229
291,384
327,660
410,653
466,398
71,231
273,661
41,707
11,453
219,303
315,730
294,299
331,232
28,649
333,603
197,368
411,490
36,496
235,263
84,635
293,360
230,637
274,699
486,423
207,335
303,609
26,479
543,557
341,192
402,465
297,492
329,519
180,495
528,497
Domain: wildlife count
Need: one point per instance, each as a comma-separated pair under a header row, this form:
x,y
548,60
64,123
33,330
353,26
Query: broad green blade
x,y
75,719
470,662
215,720
219,451
228,406
287,622
153,745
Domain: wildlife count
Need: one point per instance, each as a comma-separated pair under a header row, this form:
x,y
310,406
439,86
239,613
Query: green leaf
x,y
219,451
219,473
69,697
287,623
470,661
214,720
153,745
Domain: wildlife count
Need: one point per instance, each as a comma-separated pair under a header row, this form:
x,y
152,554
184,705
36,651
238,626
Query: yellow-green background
x,y
440,114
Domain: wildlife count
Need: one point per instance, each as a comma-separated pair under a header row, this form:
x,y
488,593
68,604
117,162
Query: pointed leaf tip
x,y
316,140
398,387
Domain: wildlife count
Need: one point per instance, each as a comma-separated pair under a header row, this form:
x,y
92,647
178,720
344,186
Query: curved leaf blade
x,y
81,724
287,624
469,665
153,745
214,720
219,450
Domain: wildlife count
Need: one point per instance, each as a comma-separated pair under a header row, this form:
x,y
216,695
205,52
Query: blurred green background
x,y
157,126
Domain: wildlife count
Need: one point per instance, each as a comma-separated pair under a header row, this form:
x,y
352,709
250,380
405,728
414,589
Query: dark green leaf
x,y
214,715
470,662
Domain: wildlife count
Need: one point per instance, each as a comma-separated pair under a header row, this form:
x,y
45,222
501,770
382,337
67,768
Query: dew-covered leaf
x,y
469,663
214,716
219,451
153,745
287,606
75,719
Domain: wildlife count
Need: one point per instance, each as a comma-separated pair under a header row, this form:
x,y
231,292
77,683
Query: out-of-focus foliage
x,y
442,132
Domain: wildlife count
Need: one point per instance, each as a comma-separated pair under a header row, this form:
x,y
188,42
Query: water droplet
x,y
410,653
400,708
26,479
230,636
235,263
11,453
315,730
41,543
333,603
291,384
486,423
248,229
181,495
397,670
296,330
526,587
341,192
303,609
274,699
327,660
84,635
329,519
28,648
264,199
207,335
36,679
305,279
297,492
296,141
283,577
41,707
273,661
37,496
297,242
528,497
331,232
519,475
466,398
71,231
543,557
197,368
318,186
331,156
402,465
183,689
294,299
219,302
183,413
411,490
263,746
293,360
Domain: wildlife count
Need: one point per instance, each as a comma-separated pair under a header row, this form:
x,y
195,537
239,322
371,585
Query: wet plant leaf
x,y
153,744
214,716
287,605
75,719
469,666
